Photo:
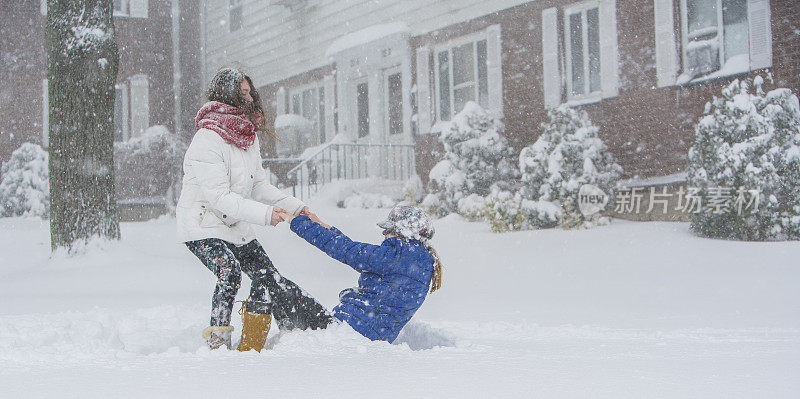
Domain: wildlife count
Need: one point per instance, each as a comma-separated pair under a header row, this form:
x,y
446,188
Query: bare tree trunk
x,y
81,69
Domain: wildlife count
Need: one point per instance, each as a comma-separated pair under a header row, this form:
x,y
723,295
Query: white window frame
x,y
587,97
138,104
684,79
126,110
125,9
319,124
449,46
232,5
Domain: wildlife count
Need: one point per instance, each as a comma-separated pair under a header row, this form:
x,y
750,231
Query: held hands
x,y
280,215
276,216
286,216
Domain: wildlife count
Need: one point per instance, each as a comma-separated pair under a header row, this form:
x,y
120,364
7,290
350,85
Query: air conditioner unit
x,y
702,57
292,5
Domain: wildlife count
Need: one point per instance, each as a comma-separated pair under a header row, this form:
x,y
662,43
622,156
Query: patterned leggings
x,y
269,292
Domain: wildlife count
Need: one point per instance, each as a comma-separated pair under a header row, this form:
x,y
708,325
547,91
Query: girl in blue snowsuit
x,y
395,276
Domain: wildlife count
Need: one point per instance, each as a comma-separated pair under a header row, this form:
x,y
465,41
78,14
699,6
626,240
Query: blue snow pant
x,y
270,292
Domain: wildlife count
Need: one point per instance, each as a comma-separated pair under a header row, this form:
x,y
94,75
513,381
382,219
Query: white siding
x,y
276,43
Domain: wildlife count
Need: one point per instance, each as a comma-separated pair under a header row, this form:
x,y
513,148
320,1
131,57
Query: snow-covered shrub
x,y
471,207
25,184
476,157
413,190
748,140
150,165
568,155
507,211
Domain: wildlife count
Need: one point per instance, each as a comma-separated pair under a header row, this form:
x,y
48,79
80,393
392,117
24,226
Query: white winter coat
x,y
225,191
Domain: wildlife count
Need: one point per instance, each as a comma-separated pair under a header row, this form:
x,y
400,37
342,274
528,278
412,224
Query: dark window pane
x,y
296,104
235,18
463,64
734,20
362,100
576,52
701,17
483,83
395,97
593,30
310,104
444,86
461,96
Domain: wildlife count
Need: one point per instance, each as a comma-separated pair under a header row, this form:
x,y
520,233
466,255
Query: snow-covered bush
x,y
568,155
748,140
507,211
476,158
150,165
471,207
25,184
413,190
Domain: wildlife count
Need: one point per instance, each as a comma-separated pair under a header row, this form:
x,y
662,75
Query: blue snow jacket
x,y
394,281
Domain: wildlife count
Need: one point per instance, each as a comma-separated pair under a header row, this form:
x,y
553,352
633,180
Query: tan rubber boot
x,y
254,330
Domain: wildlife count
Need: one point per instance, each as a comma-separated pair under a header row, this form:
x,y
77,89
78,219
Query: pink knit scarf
x,y
228,121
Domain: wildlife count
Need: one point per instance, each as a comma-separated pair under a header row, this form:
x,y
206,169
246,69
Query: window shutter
x,y
551,84
45,114
138,8
424,89
760,34
330,105
494,68
280,101
665,43
140,105
609,76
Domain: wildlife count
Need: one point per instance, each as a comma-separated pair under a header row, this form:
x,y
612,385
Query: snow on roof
x,y
364,36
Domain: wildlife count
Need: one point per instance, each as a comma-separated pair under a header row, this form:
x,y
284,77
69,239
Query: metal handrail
x,y
351,161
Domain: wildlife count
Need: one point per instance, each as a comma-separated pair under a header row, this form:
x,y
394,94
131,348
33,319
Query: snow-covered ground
x,y
629,310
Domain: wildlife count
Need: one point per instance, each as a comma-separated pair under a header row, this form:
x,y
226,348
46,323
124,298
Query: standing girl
x,y
225,192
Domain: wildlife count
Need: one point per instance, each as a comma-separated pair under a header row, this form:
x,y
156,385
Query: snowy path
x,y
626,310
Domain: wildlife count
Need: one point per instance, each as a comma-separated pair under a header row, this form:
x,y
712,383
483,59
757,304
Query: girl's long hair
x,y
436,277
224,87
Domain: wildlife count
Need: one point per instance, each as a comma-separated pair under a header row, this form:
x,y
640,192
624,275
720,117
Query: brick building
x,y
386,72
159,70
